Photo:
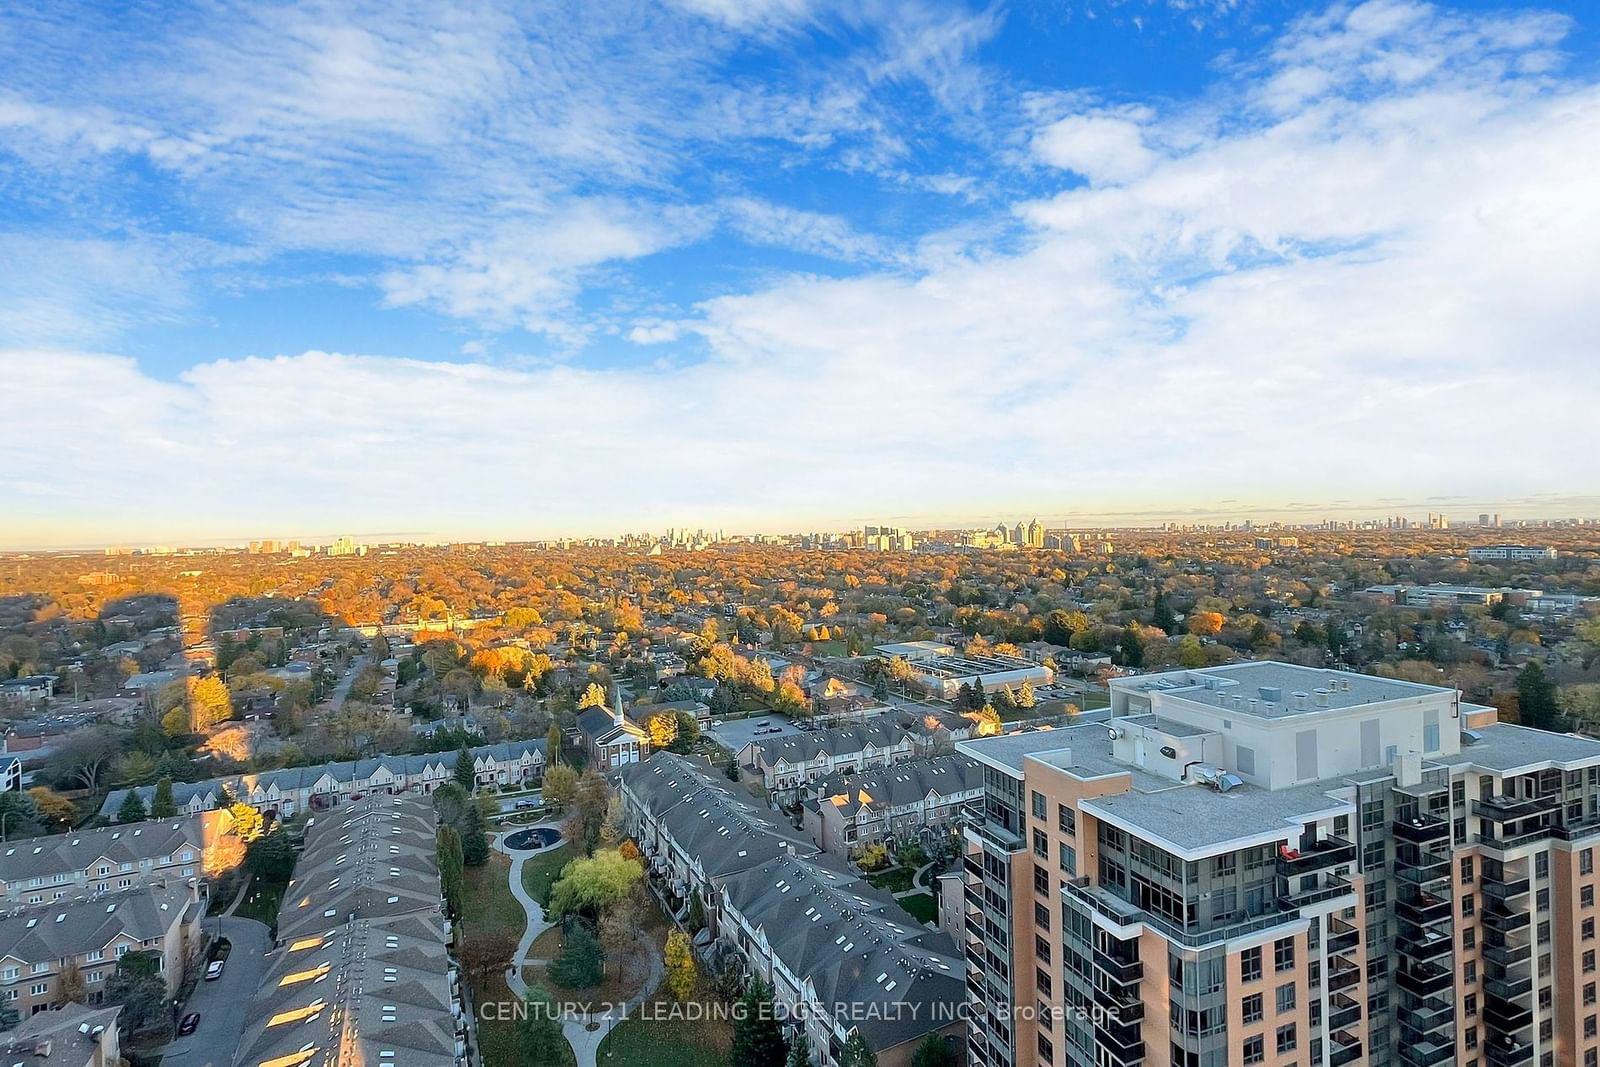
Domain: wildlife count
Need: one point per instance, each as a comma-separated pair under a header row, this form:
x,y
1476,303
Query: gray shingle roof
x,y
900,785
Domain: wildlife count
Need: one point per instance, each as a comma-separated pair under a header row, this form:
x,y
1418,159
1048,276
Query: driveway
x,y
736,733
223,1004
510,803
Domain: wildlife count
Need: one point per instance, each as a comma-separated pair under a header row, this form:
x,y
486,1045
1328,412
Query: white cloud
x,y
1102,147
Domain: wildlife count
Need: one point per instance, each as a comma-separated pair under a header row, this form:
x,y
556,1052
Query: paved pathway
x,y
585,1042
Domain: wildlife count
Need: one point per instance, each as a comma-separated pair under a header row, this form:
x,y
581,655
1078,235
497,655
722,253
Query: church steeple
x,y
616,706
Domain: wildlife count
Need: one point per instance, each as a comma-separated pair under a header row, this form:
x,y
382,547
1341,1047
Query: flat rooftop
x,y
963,666
1083,751
1274,687
1506,748
1195,820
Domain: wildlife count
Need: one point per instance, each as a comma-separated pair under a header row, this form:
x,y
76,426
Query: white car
x,y
214,970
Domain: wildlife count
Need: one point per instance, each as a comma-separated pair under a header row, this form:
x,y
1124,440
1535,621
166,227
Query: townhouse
x,y
299,789
786,764
110,858
1261,863
39,942
72,1036
363,973
903,802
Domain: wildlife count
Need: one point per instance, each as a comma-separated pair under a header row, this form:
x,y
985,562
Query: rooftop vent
x,y
1271,694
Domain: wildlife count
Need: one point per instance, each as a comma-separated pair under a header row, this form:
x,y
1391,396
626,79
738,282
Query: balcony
x,y
998,836
1429,1018
1342,1012
1328,852
1421,829
1318,890
1503,923
1505,891
1345,1048
1503,1051
1423,868
1342,937
1430,946
1124,1041
1505,1016
1342,977
1428,1053
1510,809
1523,836
1508,954
1122,972
1511,987
1424,909
1425,979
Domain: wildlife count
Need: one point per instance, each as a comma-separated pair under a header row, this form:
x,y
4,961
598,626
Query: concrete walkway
x,y
584,1041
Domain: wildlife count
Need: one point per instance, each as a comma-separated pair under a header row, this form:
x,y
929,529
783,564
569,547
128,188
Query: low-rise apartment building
x,y
110,858
300,789
363,973
89,933
902,802
1263,863
787,764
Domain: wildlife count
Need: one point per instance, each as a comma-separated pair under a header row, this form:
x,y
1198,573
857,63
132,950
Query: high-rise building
x,y
1266,863
1035,534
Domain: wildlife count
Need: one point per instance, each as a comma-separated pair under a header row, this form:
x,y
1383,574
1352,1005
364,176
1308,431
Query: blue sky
x,y
774,263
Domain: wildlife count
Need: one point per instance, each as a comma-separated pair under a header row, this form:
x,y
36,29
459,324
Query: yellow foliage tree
x,y
680,965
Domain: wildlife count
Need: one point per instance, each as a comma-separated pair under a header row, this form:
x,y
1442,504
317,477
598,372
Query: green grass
x,y
539,872
666,1042
489,903
920,906
500,1041
895,879
261,902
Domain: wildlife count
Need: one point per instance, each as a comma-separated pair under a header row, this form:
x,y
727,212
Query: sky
x,y
524,270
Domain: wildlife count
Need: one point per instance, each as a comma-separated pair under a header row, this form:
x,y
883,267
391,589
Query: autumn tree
x,y
560,786
209,702
594,696
487,952
590,886
57,811
680,967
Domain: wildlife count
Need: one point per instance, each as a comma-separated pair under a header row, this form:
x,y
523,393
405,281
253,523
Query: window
x,y
1466,871
1469,938
1541,864
1588,962
1586,861
1041,979
1590,1028
1252,1008
1041,949
1255,1049
1588,928
1041,880
1283,954
1286,997
1069,859
1469,905
1046,1050
1542,899
1472,1037
1586,896
1223,866
1287,1039
1067,820
1038,805
1588,994
1469,971
1250,964
1041,844
1469,1005
1041,916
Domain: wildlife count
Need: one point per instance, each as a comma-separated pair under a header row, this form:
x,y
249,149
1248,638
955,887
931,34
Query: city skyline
x,y
779,265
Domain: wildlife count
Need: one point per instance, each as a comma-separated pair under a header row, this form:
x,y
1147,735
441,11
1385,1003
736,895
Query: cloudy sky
x,y
514,269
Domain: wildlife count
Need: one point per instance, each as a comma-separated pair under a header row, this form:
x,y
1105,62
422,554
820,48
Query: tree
x,y
934,1051
799,1049
680,965
857,1053
474,837
56,810
880,689
581,964
1190,654
619,928
224,797
487,952
697,911
1161,617
590,886
161,805
132,808
1131,647
247,821
541,1029
209,702
1536,697
452,880
757,1037
83,758
552,746
137,985
590,802
1025,698
70,983
560,785
270,857
1205,623
466,774
594,696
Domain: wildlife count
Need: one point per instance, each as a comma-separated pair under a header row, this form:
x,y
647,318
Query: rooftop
x,y
1195,820
1506,748
1269,689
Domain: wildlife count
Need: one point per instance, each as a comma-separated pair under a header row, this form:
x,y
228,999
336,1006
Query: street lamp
x,y
3,817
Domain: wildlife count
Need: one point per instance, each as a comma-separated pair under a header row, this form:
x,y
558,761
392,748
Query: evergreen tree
x,y
451,878
1162,617
541,1029
934,1051
880,689
474,837
224,798
857,1053
799,1050
552,746
979,699
132,809
1536,697
757,1037
697,912
963,701
162,807
1131,648
465,773
581,963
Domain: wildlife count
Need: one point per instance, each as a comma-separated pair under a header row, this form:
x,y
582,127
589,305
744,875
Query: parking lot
x,y
736,733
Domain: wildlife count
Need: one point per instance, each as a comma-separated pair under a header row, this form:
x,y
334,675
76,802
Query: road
x,y
510,803
223,1004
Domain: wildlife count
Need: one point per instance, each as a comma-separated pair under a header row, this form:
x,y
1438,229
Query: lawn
x,y
500,1041
262,901
660,1040
895,879
920,906
489,903
538,872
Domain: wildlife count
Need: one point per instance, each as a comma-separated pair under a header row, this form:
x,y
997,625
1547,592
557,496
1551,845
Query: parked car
x,y
524,804
191,1022
214,970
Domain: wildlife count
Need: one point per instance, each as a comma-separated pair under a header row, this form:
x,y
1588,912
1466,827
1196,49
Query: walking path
x,y
584,1041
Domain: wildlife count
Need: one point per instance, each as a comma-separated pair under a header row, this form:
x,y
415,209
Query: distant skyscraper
x,y
1035,534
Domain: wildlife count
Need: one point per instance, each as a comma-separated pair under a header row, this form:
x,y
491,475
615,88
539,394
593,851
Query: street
x,y
223,1004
